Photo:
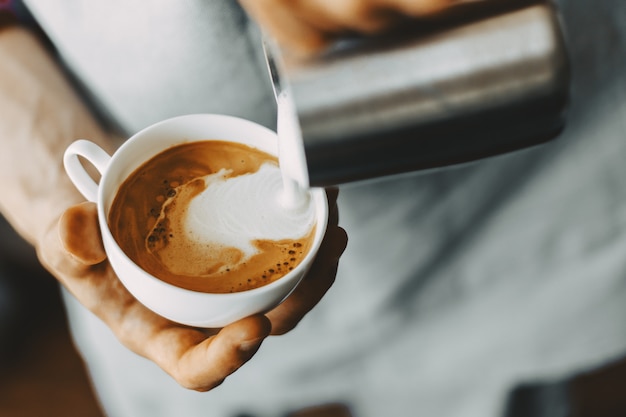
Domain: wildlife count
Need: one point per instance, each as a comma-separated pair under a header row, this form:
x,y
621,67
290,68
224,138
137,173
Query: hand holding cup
x,y
197,358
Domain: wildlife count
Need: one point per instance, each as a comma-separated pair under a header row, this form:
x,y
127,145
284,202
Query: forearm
x,y
40,115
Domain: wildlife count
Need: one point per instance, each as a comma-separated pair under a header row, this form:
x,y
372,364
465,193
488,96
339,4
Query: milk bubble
x,y
234,211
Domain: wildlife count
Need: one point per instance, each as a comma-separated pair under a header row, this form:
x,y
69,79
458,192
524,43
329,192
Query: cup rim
x,y
317,194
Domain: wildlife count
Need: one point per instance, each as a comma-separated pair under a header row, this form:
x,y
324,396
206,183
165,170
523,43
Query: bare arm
x,y
40,116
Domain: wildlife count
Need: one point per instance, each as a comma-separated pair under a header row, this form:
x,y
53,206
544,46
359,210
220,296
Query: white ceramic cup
x,y
181,305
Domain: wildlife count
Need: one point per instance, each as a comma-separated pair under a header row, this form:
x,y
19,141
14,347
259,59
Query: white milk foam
x,y
235,211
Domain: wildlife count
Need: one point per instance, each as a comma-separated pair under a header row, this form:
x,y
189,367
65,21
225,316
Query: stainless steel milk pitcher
x,y
409,101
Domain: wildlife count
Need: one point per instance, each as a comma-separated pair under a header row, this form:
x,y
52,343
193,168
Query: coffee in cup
x,y
207,216
214,186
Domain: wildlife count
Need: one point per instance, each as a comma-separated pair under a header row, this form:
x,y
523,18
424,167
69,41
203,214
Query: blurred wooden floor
x,y
41,374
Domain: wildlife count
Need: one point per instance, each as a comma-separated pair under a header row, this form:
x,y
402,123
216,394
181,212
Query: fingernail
x,y
250,346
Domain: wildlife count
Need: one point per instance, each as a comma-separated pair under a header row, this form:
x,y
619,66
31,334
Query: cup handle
x,y
77,173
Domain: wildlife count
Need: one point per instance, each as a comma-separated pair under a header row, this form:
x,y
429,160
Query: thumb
x,y
80,233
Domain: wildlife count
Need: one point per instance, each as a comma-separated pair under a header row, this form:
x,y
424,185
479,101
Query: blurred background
x,y
41,373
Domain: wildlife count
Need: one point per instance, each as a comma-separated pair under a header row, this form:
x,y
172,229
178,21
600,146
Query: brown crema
x,y
139,221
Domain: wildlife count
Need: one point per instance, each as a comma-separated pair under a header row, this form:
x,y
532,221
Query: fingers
x,y
311,290
195,359
331,195
420,8
200,363
307,27
80,233
340,16
318,280
286,23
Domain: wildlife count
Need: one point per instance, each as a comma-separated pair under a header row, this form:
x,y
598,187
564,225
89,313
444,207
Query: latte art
x,y
245,208
215,221
207,216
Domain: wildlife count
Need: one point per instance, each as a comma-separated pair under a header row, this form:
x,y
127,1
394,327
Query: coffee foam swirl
x,y
236,211
206,216
217,220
